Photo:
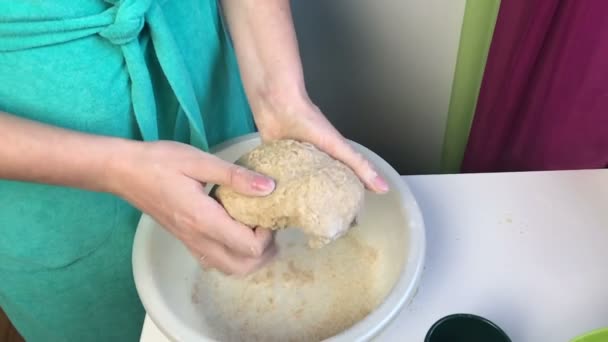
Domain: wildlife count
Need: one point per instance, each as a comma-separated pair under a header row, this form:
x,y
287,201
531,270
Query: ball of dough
x,y
314,192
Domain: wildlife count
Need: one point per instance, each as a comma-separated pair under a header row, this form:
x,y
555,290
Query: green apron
x,y
138,69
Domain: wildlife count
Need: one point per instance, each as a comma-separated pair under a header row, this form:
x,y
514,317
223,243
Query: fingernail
x,y
380,184
263,184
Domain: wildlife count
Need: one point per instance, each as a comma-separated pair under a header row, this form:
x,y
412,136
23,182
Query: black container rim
x,y
468,316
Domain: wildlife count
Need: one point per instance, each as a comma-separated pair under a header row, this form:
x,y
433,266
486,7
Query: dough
x,y
314,192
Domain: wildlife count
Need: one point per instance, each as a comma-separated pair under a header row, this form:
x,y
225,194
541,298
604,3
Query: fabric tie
x,y
128,20
121,25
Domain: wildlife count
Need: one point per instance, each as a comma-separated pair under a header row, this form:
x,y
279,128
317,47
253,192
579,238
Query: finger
x,y
340,149
265,236
211,254
214,170
237,237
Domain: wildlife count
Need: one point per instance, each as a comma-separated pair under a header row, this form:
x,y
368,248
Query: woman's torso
x,y
89,76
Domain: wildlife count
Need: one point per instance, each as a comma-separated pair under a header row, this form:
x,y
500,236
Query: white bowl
x,y
341,282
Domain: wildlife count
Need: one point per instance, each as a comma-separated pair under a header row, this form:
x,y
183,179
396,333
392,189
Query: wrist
x,y
117,168
279,99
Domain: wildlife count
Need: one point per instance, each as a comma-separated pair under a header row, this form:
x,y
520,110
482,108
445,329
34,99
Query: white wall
x,y
382,71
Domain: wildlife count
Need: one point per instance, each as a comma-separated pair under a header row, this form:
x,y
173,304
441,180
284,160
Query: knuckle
x,y
197,218
193,222
361,160
204,263
227,270
235,173
182,220
256,251
364,166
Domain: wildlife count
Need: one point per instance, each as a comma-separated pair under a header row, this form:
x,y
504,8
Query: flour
x,y
306,295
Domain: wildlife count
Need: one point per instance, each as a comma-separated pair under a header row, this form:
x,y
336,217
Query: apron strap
x,y
172,64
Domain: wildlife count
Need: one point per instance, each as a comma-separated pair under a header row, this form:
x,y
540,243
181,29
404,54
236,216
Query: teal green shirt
x,y
138,69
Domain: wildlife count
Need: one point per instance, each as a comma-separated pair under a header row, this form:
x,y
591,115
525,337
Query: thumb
x,y
212,169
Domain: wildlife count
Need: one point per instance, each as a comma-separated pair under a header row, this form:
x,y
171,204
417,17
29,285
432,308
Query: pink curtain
x,y
543,103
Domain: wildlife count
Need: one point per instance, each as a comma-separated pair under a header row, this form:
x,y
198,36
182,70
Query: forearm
x,y
34,152
267,51
270,66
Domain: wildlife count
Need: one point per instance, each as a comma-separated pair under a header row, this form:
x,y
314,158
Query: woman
x,y
107,109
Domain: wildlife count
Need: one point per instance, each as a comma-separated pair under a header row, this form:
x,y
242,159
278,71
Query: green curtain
x,y
475,37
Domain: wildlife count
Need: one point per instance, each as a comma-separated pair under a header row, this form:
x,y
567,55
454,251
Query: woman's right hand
x,y
166,180
163,179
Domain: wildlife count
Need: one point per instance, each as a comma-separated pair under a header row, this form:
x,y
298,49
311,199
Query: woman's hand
x,y
269,63
166,180
292,117
163,179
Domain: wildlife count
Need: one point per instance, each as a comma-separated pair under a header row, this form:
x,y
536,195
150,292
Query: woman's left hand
x,y
302,120
271,70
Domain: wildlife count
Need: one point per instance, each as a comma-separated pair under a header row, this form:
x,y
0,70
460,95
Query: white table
x,y
528,251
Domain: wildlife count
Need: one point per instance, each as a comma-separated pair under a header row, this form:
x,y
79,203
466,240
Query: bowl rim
x,y
402,291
